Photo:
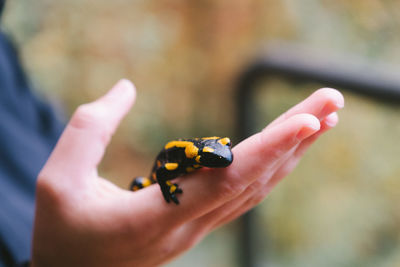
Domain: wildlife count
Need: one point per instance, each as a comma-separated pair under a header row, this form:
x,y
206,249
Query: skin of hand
x,y
84,220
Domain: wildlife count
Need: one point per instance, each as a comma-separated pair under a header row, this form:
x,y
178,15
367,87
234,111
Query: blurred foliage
x,y
339,208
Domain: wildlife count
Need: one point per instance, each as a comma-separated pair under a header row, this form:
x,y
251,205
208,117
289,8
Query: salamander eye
x,y
225,141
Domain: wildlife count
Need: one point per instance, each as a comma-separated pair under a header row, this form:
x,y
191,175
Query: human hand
x,y
84,220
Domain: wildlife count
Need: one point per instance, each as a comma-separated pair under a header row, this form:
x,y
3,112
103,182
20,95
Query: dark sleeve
x,y
28,132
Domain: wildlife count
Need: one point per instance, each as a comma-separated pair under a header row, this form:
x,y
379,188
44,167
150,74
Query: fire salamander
x,y
183,156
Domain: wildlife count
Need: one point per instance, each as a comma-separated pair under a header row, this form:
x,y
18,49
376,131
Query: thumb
x,y
83,142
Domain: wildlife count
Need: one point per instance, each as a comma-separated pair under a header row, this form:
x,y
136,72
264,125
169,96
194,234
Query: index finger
x,y
321,103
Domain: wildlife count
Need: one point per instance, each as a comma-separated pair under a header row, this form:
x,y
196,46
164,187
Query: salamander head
x,y
216,152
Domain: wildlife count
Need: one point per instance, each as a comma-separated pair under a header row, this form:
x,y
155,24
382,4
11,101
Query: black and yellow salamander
x,y
183,156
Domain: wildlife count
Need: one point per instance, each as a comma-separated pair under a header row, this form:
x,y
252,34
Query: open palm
x,y
84,220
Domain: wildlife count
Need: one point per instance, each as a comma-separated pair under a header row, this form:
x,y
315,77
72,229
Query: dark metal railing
x,y
375,81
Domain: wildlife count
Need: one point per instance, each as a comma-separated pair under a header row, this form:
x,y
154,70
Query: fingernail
x,y
331,120
339,105
339,102
308,130
123,88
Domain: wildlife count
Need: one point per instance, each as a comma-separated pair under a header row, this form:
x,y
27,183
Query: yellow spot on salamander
x,y
146,182
197,159
224,141
196,166
154,176
208,149
158,163
135,188
172,187
171,166
177,144
190,149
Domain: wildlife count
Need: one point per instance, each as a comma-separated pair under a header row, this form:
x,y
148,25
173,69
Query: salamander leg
x,y
169,190
139,183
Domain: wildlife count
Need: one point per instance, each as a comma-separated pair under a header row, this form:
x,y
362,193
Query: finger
x,y
320,104
328,123
257,154
226,213
82,144
208,189
236,206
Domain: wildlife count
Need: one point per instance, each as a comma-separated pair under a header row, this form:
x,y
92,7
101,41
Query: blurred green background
x,y
340,207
